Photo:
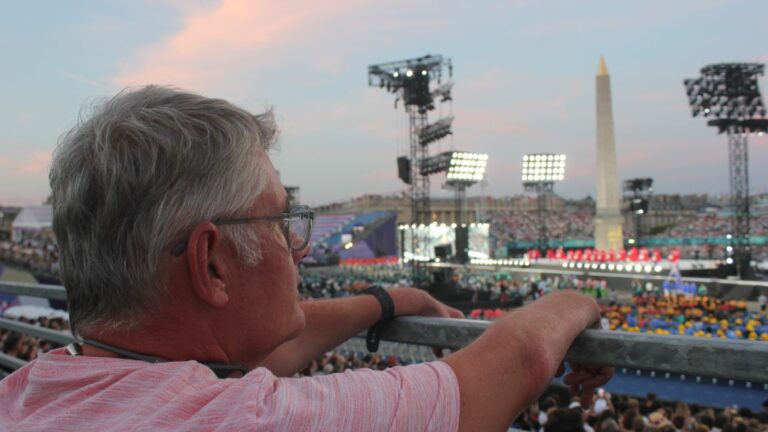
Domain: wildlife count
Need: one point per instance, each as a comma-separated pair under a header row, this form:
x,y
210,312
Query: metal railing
x,y
590,272
718,358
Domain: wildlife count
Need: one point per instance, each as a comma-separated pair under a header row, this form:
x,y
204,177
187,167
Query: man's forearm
x,y
511,363
331,322
328,324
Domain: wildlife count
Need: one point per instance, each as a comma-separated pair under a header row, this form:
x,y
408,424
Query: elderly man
x,y
179,252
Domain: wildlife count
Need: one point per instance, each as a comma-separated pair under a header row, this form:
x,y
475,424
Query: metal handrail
x,y
55,292
719,358
43,333
599,273
11,362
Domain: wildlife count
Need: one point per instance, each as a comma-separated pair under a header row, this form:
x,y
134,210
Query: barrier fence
x,y
718,358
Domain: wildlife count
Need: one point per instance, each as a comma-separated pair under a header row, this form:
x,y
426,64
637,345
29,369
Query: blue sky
x,y
523,71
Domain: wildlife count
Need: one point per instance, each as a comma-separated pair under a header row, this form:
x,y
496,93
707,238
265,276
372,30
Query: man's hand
x,y
412,301
584,379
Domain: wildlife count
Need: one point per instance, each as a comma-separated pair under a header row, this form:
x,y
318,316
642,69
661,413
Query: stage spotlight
x,y
543,167
461,167
466,168
435,131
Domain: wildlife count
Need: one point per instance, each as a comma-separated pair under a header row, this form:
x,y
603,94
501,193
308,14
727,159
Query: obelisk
x,y
608,235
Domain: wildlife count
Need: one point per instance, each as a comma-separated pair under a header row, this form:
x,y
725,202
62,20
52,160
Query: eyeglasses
x,y
297,227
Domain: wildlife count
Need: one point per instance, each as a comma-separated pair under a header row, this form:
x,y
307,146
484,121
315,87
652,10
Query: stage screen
x,y
442,234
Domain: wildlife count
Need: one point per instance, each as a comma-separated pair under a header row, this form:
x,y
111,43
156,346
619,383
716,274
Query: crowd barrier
x,y
717,358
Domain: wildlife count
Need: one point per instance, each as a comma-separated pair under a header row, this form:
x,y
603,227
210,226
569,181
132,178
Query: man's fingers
x,y
575,389
583,392
606,371
595,381
587,393
596,377
584,379
572,378
454,313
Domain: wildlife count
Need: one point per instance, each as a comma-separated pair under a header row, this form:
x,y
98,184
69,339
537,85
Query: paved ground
x,y
13,275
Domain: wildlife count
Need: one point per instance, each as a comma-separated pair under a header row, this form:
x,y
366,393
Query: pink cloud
x,y
36,162
493,80
630,160
223,40
490,121
641,15
24,177
662,97
539,94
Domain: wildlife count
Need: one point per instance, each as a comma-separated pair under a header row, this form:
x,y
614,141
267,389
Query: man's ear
x,y
204,248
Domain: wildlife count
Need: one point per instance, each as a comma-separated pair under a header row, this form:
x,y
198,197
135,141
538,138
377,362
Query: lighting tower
x,y
729,92
465,170
540,172
638,193
410,81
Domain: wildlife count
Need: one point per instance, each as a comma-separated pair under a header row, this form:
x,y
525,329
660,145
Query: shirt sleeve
x,y
422,397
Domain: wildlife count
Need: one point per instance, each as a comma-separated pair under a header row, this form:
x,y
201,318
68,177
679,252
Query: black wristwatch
x,y
387,314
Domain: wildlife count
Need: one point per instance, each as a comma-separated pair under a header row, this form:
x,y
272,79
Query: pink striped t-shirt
x,y
64,393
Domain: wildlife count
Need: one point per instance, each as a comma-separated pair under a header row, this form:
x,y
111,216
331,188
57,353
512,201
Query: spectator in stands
x,y
564,420
12,345
651,405
178,250
608,425
627,420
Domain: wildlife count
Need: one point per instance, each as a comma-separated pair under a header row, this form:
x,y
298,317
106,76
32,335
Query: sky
x,y
524,74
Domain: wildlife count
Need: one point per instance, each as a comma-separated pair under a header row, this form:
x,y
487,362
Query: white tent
x,y
34,312
32,218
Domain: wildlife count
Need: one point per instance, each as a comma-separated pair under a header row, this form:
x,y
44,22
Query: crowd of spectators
x,y
556,411
334,362
499,286
26,347
36,252
576,223
607,412
620,413
572,223
336,282
652,309
686,315
713,225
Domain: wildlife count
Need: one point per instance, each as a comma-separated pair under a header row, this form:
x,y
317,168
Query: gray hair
x,y
136,176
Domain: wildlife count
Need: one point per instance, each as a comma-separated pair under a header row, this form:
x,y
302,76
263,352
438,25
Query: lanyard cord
x,y
222,370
